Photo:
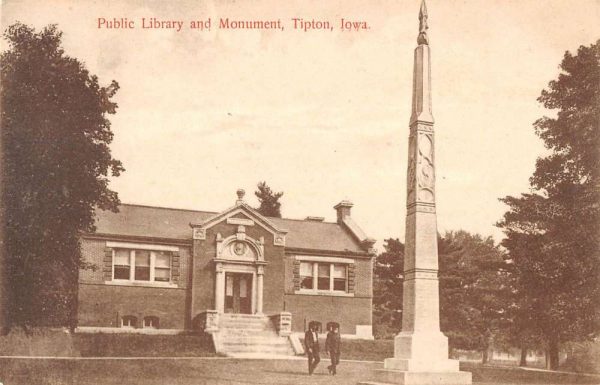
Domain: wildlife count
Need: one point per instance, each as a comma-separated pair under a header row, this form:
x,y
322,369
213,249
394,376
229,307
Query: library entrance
x,y
238,293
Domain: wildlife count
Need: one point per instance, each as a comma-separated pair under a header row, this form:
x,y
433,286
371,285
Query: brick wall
x,y
97,254
360,276
102,305
348,311
203,285
291,274
92,252
363,277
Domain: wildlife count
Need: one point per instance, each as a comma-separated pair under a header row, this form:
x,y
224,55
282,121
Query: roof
x,y
161,222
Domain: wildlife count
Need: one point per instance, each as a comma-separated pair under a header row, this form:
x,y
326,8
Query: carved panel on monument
x,y
424,127
421,208
410,180
425,170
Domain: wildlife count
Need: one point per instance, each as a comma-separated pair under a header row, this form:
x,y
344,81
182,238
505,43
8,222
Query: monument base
x,y
391,376
411,365
420,358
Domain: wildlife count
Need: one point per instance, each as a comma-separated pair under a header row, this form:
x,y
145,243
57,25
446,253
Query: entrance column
x,y
219,288
259,289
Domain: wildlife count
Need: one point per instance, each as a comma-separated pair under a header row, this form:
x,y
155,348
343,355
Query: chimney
x,y
343,210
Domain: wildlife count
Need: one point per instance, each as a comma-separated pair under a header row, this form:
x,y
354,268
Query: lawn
x,y
189,359
225,371
364,350
61,344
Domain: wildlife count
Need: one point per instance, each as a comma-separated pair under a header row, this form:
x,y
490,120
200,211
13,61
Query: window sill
x,y
324,293
167,285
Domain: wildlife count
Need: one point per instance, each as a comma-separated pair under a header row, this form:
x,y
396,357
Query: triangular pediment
x,y
240,214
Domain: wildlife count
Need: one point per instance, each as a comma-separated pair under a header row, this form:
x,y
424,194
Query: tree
x,y
269,201
526,221
473,289
55,137
553,233
387,289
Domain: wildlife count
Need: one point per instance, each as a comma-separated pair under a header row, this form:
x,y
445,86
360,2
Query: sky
x,y
322,115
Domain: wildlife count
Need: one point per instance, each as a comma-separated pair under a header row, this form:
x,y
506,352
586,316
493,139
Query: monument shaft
x,y
420,349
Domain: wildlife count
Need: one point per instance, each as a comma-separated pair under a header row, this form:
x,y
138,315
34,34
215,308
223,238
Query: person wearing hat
x,y
332,345
311,344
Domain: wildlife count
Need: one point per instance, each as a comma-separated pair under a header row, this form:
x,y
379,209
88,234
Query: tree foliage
x,y
473,289
387,289
55,137
269,200
553,232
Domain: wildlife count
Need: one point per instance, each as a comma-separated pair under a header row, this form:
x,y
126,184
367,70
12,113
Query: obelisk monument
x,y
420,349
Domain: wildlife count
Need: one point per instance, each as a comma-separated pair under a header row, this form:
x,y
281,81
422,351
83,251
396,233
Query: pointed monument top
x,y
423,39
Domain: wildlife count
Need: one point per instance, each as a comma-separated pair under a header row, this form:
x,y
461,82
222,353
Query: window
x,y
306,275
128,321
122,264
321,276
151,322
142,265
339,277
162,266
324,276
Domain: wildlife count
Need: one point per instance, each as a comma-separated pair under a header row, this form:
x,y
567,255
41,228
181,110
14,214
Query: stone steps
x,y
241,325
248,333
258,348
245,334
274,340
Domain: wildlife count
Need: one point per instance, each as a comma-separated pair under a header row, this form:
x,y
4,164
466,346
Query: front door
x,y
238,293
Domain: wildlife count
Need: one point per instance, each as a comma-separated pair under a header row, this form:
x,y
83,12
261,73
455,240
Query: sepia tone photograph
x,y
264,192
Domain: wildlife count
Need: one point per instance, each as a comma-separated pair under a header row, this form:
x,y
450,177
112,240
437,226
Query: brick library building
x,y
230,274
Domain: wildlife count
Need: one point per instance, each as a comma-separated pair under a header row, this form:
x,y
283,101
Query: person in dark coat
x,y
311,344
332,345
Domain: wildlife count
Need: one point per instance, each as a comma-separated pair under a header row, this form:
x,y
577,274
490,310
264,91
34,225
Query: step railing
x,y
209,321
283,323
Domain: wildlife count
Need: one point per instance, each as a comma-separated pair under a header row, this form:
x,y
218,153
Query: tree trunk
x,y
553,348
523,361
484,356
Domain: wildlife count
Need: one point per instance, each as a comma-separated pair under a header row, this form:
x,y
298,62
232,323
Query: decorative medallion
x,y
239,248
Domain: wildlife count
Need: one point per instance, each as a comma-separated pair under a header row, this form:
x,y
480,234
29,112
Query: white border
x,y
155,284
313,258
140,246
100,329
332,293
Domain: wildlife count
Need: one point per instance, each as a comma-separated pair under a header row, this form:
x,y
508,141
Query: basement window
x,y
129,322
151,322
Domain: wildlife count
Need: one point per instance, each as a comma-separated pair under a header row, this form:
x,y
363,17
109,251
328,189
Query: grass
x,y
136,345
515,375
584,357
184,371
365,350
188,367
41,342
62,344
